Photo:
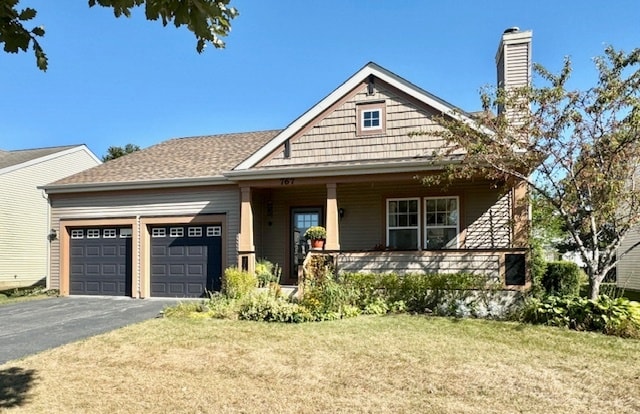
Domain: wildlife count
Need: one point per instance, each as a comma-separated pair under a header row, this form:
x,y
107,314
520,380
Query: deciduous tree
x,y
578,150
117,152
208,20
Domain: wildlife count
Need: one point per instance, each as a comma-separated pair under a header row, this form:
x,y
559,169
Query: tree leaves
x,y
208,20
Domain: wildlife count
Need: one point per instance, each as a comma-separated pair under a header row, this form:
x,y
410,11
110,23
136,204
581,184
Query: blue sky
x,y
117,81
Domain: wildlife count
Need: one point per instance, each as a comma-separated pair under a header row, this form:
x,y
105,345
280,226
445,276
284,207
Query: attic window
x,y
371,118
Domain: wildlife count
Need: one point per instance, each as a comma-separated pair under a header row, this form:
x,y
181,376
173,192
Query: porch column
x,y
520,215
333,230
246,248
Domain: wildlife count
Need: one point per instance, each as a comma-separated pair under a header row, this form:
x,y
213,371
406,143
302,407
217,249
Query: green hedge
x,y
563,279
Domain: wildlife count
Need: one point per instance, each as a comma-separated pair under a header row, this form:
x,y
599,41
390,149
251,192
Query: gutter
x,y
134,185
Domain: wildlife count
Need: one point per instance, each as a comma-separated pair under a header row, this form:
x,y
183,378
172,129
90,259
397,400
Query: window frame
x,y
425,227
389,228
365,107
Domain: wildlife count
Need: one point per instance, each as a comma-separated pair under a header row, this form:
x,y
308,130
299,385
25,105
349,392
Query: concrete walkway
x,y
34,326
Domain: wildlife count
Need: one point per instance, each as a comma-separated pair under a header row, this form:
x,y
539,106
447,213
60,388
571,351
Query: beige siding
x,y
170,202
517,64
335,139
489,219
24,221
487,264
628,269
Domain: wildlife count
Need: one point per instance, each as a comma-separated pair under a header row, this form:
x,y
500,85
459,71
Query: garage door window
x,y
176,232
195,231
214,231
159,232
77,234
125,233
109,233
93,233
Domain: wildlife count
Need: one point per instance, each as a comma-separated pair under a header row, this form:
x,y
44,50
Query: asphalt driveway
x,y
34,326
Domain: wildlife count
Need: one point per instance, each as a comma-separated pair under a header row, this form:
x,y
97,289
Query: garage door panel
x,y
187,264
99,265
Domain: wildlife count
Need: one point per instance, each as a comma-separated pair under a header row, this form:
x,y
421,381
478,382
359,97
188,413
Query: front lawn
x,y
398,363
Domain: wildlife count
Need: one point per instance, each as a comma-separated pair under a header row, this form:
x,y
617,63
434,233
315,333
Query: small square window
x,y
159,232
77,234
195,232
371,118
93,233
125,233
214,231
109,233
176,232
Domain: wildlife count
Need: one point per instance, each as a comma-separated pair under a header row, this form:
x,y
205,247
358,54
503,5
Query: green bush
x,y
619,317
238,283
562,279
538,267
267,273
267,308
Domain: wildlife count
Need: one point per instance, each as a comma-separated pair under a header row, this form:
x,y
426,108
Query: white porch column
x,y
246,248
333,229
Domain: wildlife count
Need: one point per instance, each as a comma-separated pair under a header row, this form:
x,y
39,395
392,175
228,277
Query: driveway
x,y
34,326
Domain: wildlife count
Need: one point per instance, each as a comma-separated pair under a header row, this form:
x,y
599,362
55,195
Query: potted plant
x,y
317,235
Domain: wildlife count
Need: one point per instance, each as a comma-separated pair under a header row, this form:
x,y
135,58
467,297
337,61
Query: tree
x,y
117,152
578,150
208,20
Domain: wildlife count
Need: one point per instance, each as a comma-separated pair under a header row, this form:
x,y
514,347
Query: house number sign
x,y
286,181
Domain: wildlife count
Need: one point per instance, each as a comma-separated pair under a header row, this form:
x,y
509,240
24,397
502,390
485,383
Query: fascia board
x,y
139,185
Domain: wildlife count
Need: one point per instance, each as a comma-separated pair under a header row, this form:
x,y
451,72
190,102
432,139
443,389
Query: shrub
x,y
267,308
538,267
267,273
562,278
237,283
620,316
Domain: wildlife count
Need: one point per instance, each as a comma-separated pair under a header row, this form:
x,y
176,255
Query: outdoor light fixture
x,y
341,212
370,85
53,235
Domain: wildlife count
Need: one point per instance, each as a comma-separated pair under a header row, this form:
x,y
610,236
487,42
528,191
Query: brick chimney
x,y
513,61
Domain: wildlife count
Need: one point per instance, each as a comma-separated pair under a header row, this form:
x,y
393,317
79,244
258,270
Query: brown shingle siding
x,y
195,157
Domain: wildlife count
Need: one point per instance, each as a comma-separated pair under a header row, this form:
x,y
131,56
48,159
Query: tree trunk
x,y
594,286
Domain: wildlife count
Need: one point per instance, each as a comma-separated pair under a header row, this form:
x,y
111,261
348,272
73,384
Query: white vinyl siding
x,y
24,218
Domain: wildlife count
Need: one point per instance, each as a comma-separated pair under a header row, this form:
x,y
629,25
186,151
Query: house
x,y
24,210
628,268
167,220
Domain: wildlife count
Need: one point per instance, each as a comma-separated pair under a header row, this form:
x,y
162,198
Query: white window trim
x,y
109,233
93,233
158,232
370,128
426,226
77,234
214,231
194,232
417,227
176,232
126,233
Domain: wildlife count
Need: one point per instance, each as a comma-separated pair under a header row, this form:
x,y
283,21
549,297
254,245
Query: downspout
x,y
49,241
139,295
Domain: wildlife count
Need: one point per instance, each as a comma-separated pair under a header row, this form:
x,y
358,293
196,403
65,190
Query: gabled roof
x,y
13,160
190,160
370,69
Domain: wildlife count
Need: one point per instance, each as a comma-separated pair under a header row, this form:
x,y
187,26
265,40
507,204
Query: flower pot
x,y
317,243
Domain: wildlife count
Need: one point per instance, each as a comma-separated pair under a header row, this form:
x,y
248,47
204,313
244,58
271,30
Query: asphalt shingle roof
x,y
11,158
178,158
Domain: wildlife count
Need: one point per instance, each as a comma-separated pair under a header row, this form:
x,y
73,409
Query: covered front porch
x,y
390,223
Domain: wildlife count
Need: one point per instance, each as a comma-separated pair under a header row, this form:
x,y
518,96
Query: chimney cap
x,y
512,29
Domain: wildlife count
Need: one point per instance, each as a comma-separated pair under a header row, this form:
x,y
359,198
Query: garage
x,y
186,261
100,261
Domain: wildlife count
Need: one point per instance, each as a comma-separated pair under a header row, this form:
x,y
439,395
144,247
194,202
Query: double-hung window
x,y
441,224
403,223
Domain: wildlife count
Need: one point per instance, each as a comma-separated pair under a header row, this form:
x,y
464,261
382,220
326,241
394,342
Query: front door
x,y
301,220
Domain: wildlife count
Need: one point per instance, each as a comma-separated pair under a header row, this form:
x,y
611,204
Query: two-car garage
x,y
184,260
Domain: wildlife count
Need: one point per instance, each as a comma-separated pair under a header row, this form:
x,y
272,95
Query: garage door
x,y
186,261
100,261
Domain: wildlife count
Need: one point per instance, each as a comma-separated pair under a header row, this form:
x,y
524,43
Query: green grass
x,y
24,294
388,364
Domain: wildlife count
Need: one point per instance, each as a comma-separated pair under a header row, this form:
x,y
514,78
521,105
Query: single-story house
x,y
167,220
628,268
25,227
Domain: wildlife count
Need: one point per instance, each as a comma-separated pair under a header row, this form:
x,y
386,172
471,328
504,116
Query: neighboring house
x,y
628,268
24,210
166,221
